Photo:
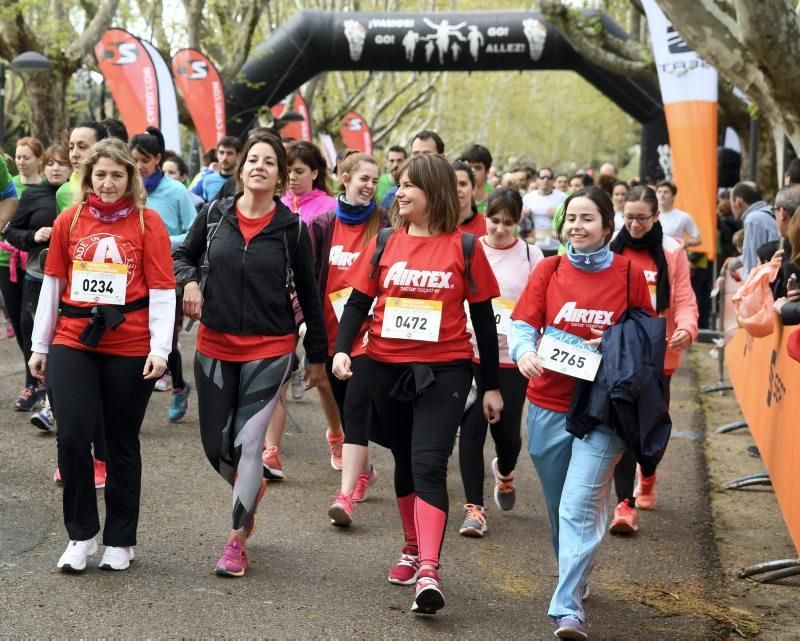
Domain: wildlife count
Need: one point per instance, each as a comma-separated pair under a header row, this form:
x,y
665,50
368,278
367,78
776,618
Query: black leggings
x,y
30,299
625,471
505,433
12,294
352,399
235,402
174,360
421,431
79,380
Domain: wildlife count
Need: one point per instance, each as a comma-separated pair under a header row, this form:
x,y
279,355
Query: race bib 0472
x,y
412,319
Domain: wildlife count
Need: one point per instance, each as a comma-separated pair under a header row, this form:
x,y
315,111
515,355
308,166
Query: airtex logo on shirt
x,y
341,258
571,313
400,276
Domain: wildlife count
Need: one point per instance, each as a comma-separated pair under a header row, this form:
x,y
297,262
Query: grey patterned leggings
x,y
235,402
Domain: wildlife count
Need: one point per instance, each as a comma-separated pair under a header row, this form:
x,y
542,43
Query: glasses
x,y
637,219
546,177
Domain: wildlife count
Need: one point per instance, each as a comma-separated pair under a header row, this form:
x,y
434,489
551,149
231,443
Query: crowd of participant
x,y
425,303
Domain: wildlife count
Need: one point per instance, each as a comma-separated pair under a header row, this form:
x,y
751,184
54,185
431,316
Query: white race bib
x,y
102,283
568,354
339,300
412,319
502,308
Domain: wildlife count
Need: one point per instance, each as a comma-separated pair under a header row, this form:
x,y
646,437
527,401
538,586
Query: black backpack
x,y
467,246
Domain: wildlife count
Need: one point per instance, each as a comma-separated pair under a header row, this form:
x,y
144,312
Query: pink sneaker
x,y
99,474
341,512
233,562
57,477
626,521
407,568
273,470
645,492
365,479
10,330
428,597
335,443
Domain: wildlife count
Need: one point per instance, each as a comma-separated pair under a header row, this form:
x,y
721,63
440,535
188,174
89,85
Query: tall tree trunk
x,y
47,100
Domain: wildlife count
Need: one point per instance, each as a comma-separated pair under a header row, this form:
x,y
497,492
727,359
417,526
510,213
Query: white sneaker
x,y
116,558
164,383
74,557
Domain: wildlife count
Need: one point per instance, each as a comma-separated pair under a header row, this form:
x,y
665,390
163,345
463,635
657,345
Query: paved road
x,y
310,579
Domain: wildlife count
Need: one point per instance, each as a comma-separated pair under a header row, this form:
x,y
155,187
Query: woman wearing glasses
x,y
666,268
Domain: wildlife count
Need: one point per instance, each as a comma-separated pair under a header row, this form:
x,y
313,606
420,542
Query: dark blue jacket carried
x,y
629,394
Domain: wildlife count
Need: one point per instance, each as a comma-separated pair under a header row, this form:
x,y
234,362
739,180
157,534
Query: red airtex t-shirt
x,y
233,347
346,245
475,225
146,255
575,301
427,273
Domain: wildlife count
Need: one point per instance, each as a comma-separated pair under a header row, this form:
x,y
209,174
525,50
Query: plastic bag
x,y
753,301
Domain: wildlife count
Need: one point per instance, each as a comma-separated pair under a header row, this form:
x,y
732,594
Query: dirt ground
x,y
748,525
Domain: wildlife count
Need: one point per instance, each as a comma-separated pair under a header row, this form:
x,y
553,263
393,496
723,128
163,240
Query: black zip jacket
x,y
245,290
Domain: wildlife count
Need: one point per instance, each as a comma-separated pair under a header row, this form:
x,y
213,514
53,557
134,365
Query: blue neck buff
x,y
592,262
353,214
152,181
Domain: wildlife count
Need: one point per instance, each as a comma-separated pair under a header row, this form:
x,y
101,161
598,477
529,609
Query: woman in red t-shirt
x,y
666,268
103,330
581,293
470,220
337,239
419,354
238,264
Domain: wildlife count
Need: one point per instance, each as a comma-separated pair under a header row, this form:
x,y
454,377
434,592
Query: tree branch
x,y
588,42
93,31
241,48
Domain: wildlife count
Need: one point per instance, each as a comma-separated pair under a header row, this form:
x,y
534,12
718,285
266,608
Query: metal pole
x,y
2,105
753,164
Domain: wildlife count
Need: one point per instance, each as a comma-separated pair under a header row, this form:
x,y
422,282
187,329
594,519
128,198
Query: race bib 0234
x,y
568,354
103,283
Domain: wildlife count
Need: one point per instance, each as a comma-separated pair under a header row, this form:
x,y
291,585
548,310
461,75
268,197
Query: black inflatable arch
x,y
315,41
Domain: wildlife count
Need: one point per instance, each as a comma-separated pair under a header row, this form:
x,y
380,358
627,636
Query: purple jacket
x,y
309,205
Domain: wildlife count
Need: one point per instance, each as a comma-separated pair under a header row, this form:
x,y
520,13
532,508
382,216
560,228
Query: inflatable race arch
x,y
315,41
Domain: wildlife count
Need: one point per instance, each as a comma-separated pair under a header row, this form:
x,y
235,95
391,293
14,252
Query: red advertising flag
x,y
356,133
300,130
131,78
201,87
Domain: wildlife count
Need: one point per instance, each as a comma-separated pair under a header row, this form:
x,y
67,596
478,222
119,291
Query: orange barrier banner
x,y
765,380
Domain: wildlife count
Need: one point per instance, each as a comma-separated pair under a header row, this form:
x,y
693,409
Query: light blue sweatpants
x,y
576,477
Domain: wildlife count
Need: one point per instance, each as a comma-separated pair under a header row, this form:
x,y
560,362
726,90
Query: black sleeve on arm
x,y
316,339
355,311
790,313
186,257
18,233
482,316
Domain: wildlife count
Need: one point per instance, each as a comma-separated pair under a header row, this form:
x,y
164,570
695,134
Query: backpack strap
x,y
468,247
528,253
380,244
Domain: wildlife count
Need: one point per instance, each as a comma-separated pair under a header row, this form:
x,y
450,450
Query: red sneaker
x,y
335,443
341,512
625,519
273,470
428,597
233,561
99,474
407,568
645,491
365,479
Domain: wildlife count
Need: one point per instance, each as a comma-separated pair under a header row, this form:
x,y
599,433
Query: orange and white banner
x,y
356,133
167,99
300,130
689,92
201,87
762,372
131,77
